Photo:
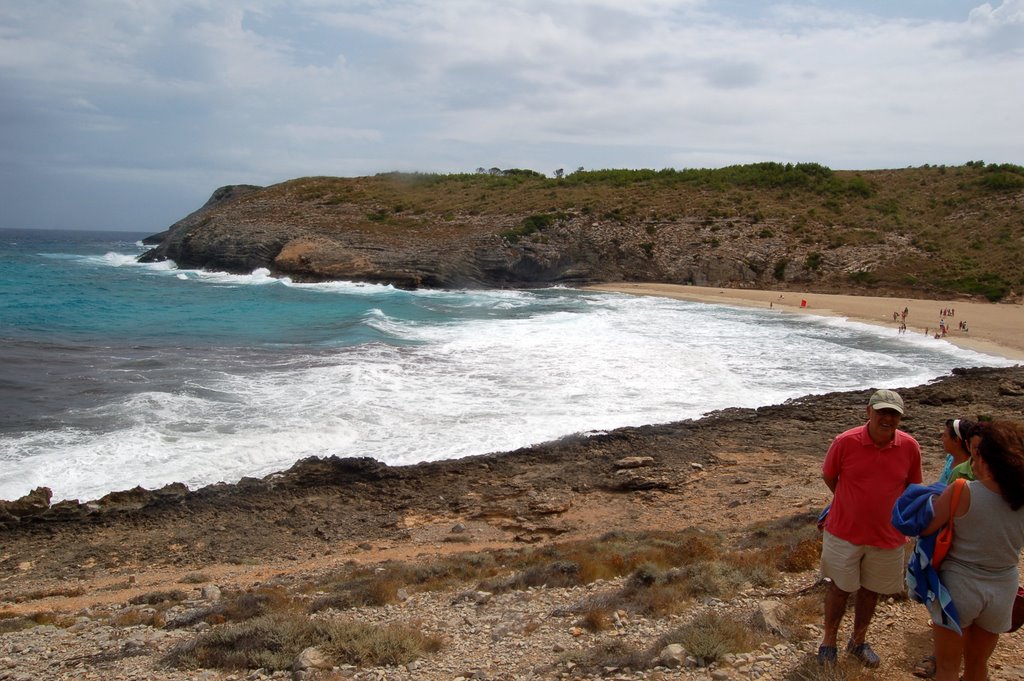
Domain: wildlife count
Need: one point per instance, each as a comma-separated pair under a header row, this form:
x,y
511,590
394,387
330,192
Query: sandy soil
x,y
993,328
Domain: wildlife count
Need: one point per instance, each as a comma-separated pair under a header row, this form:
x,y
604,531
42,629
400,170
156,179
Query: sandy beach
x,y
993,328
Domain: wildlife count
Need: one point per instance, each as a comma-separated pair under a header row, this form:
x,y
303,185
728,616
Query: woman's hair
x,y
1002,449
960,430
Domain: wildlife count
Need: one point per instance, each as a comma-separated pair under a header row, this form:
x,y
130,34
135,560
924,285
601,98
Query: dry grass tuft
x,y
794,541
613,654
373,591
159,597
709,637
59,592
133,617
596,619
804,556
273,642
843,670
11,621
807,609
241,606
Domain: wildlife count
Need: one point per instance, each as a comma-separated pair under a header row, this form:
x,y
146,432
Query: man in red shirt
x,y
867,468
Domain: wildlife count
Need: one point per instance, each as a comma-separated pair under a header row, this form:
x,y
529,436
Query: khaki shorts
x,y
851,566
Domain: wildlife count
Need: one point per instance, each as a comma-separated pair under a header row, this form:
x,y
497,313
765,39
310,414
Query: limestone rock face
x,y
33,503
294,234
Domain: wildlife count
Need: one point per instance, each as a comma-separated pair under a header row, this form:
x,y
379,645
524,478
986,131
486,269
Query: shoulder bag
x,y
945,537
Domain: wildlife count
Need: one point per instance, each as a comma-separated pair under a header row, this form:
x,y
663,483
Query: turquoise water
x,y
116,374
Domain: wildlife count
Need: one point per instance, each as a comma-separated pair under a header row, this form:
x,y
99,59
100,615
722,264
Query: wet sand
x,y
993,328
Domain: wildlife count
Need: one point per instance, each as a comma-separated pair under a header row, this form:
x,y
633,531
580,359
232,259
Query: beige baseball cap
x,y
886,399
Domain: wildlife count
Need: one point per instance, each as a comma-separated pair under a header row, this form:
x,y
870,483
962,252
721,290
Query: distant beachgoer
x,y
980,571
867,468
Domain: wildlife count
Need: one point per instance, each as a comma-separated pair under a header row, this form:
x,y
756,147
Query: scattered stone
x,y
672,655
634,462
311,658
769,617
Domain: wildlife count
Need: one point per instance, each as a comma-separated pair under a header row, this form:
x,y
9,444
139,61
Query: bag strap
x,y
958,487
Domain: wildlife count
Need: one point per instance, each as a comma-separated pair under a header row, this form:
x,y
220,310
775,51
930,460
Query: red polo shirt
x,y
871,478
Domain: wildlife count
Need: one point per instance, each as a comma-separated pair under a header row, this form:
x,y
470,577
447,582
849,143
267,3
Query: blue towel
x,y
911,514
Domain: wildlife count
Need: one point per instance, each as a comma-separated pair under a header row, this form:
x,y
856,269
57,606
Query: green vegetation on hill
x,y
934,229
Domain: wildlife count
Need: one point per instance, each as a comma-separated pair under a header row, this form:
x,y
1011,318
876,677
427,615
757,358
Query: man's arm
x,y
831,482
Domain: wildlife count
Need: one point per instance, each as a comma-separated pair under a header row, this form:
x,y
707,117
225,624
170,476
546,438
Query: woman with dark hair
x,y
954,441
980,570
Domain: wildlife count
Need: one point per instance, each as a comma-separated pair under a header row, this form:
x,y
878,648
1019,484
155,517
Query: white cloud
x,y
212,92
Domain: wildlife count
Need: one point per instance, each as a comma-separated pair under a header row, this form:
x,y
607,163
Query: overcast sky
x,y
127,114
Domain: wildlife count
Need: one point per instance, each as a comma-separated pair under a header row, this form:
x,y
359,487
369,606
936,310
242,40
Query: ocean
x,y
115,374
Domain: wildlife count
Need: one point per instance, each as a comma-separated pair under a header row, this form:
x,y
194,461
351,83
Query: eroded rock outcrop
x,y
346,235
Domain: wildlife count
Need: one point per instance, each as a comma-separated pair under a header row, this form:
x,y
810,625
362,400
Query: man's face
x,y
882,424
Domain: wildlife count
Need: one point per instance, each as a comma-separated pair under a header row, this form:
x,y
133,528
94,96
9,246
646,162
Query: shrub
x,y
528,226
780,268
1002,181
609,654
813,261
887,207
273,642
596,619
158,597
711,578
709,637
992,286
374,590
863,277
810,670
239,606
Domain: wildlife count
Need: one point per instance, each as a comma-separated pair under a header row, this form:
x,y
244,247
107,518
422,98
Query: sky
x,y
127,114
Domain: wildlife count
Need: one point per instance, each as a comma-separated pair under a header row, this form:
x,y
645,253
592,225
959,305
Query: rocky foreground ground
x,y
79,579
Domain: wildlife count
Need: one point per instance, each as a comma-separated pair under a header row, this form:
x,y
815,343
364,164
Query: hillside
x,y
940,231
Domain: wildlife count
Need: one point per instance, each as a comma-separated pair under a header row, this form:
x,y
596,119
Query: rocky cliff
x,y
835,234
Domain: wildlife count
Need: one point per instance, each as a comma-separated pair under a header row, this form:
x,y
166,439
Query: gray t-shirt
x,y
990,535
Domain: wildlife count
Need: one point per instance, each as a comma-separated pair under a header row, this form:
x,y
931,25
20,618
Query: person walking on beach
x,y
980,571
867,468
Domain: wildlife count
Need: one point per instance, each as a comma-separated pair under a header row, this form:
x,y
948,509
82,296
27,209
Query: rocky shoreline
x,y
533,483
722,473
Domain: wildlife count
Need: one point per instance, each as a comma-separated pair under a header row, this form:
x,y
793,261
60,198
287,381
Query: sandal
x,y
925,669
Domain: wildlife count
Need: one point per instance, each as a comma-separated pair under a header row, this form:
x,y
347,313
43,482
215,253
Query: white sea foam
x,y
522,368
462,389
